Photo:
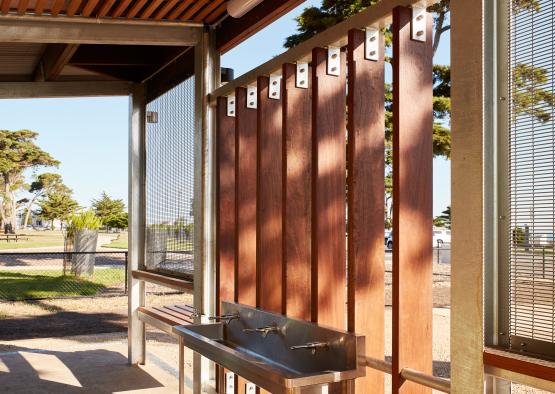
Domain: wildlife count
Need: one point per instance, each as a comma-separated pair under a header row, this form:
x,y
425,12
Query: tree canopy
x,y
18,152
110,210
42,185
57,206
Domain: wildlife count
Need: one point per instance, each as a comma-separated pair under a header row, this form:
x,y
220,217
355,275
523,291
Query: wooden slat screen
x,y
297,181
366,151
329,185
412,202
226,228
246,195
269,201
245,186
306,161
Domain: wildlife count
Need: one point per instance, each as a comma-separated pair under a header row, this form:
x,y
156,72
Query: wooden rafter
x,y
193,10
72,7
162,12
89,7
5,6
39,7
149,10
179,9
22,6
207,10
235,30
217,14
136,8
106,7
202,11
120,9
57,7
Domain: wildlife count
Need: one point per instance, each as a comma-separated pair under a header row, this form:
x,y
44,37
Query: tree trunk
x,y
9,205
28,213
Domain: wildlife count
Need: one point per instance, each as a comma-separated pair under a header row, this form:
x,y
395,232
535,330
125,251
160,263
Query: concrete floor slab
x,y
89,364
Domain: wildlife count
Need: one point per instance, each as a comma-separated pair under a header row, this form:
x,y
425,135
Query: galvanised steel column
x,y
207,78
137,211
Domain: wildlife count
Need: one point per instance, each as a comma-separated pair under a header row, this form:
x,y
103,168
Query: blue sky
x,y
89,135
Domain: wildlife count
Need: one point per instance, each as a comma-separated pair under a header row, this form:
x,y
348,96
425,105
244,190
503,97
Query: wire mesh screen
x,y
170,181
531,176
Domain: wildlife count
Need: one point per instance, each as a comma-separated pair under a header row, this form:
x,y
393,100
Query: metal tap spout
x,y
312,346
225,318
263,330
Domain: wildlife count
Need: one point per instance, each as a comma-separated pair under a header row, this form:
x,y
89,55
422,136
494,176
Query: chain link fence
x,y
27,276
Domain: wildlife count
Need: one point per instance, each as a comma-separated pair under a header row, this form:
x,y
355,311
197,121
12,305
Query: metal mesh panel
x,y
531,176
170,181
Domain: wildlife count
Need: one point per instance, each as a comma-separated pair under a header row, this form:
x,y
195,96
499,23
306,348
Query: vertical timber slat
x,y
226,226
412,202
226,229
269,201
468,20
297,178
329,183
366,144
246,185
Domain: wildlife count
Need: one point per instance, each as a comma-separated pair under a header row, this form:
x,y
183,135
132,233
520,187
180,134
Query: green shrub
x,y
83,221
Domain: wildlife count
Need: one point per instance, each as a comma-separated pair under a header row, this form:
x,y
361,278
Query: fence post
x,y
126,271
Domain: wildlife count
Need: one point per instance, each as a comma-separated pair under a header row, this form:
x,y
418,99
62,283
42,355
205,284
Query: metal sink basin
x,y
277,353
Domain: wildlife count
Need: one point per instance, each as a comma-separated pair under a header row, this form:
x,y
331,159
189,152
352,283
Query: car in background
x,y
441,236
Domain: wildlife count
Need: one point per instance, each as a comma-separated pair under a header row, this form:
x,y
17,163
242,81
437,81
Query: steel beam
x,y
66,30
22,90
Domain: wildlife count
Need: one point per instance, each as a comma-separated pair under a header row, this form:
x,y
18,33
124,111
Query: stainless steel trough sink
x,y
277,353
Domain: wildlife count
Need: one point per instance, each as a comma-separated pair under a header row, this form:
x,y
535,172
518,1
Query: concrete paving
x,y
89,364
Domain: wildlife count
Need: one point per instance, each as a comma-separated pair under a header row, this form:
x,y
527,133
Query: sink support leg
x,y
181,366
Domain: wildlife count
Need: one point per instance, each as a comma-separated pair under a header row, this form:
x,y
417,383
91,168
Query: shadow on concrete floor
x,y
25,370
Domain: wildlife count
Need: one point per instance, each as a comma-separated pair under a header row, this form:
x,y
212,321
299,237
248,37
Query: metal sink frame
x,y
268,358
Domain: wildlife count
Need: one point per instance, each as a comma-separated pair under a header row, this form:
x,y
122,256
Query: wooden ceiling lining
x,y
19,60
206,11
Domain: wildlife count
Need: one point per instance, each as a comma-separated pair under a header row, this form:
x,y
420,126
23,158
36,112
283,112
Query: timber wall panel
x,y
246,182
226,240
329,184
246,192
366,144
270,201
412,202
225,189
297,178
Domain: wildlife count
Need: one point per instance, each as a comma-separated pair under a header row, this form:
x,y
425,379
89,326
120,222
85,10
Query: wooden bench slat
x,y
177,313
171,312
186,312
185,308
163,317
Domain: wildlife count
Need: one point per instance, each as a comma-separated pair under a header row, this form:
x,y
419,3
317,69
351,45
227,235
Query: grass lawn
x,y
49,283
36,239
119,243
